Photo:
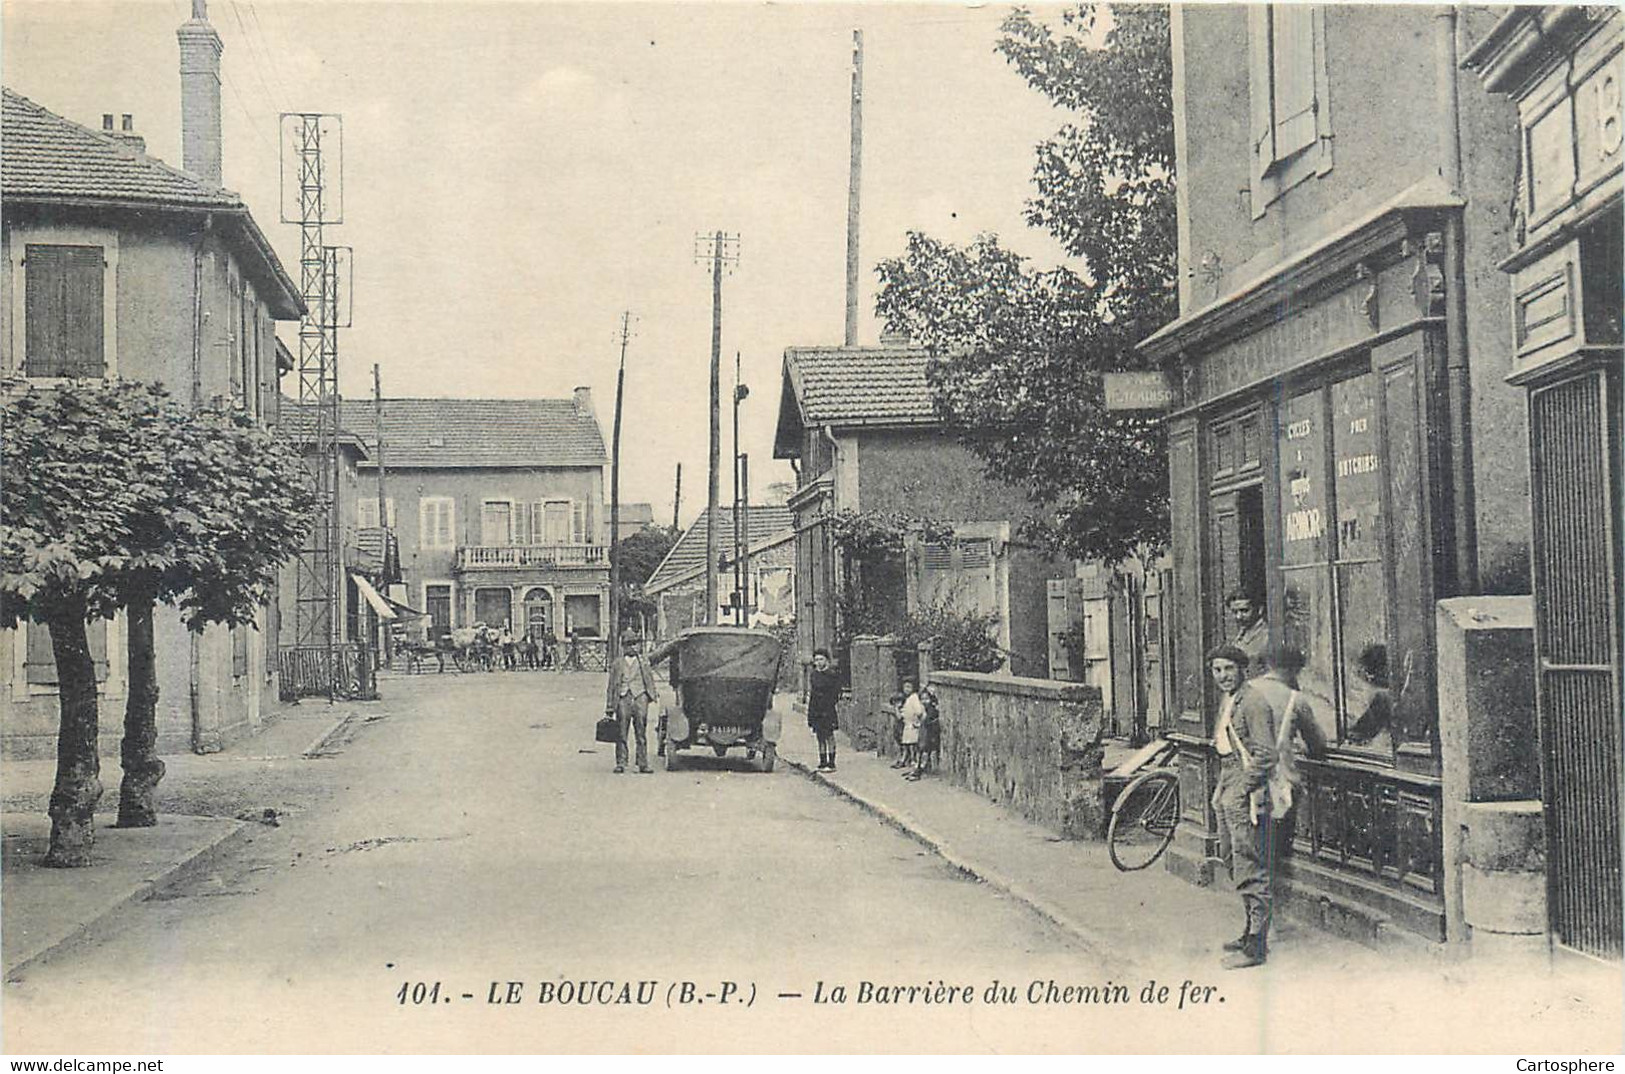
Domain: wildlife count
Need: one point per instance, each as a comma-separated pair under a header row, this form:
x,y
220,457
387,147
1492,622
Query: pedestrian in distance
x,y
509,651
631,688
1244,737
527,652
572,659
930,747
912,713
550,652
823,691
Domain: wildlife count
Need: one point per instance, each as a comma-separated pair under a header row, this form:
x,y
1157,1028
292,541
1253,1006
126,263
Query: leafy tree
x,y
235,507
81,462
1018,351
638,555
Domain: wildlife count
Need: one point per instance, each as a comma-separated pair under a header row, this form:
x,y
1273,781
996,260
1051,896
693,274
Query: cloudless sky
x,y
518,173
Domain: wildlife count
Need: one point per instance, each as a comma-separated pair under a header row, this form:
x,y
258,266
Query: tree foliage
x,y
638,555
1019,351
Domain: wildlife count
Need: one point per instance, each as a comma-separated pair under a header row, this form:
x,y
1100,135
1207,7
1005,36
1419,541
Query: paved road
x,y
474,834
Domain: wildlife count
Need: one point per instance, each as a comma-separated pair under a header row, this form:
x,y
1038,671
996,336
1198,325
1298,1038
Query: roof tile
x,y
880,385
688,554
500,433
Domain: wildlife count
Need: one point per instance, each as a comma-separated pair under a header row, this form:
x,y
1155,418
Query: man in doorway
x,y
631,688
1249,632
1244,739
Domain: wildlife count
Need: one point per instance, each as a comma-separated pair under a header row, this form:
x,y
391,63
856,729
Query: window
x,y
436,522
1290,128
959,573
496,522
237,331
557,517
64,311
366,511
1335,603
40,659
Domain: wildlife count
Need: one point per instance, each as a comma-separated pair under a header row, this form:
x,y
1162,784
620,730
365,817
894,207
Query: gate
x,y
307,671
1575,455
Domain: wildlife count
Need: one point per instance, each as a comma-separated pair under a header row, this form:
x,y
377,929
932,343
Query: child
x,y
913,717
930,734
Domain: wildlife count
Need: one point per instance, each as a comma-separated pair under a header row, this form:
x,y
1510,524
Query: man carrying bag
x,y
631,688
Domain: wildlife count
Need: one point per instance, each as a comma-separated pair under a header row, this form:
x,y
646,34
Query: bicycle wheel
x,y
1143,820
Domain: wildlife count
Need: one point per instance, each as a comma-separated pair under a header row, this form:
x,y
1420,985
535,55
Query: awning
x,y
379,604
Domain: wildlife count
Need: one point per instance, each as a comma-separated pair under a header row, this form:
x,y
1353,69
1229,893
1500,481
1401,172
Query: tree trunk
x,y
78,768
138,792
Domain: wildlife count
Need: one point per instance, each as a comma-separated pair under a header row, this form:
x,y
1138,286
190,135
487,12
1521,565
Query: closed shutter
x,y
366,514
538,523
239,651
578,523
1292,49
40,664
1261,127
64,311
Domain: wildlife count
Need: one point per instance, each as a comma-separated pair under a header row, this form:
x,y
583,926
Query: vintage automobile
x,y
724,677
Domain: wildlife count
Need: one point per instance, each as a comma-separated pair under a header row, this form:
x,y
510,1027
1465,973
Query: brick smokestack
x,y
200,95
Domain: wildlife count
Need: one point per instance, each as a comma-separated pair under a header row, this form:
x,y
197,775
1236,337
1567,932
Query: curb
x,y
181,872
1092,940
321,741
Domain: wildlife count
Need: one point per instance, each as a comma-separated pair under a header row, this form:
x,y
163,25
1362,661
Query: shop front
x,y
1313,472
1562,68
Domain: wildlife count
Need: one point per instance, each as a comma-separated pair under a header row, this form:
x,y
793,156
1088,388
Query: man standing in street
x,y
1244,739
631,688
823,690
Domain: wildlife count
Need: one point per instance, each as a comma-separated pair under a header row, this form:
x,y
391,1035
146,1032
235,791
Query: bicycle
x,y
1146,811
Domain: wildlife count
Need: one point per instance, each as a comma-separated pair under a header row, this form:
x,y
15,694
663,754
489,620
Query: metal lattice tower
x,y
318,586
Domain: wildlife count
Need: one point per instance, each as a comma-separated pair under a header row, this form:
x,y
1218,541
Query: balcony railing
x,y
495,557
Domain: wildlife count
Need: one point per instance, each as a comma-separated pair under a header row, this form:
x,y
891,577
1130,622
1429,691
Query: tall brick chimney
x,y
200,94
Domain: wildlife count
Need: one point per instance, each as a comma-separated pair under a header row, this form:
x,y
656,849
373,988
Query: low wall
x,y
1032,745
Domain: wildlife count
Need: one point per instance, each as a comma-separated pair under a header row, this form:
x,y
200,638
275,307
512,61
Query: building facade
x,y
497,508
1561,66
677,585
859,426
116,265
1344,449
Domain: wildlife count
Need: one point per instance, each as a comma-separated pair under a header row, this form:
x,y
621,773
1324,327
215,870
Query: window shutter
x,y
239,651
366,513
64,311
538,522
41,661
578,523
1293,68
1261,128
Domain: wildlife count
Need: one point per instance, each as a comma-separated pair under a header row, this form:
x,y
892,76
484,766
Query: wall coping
x,y
1048,689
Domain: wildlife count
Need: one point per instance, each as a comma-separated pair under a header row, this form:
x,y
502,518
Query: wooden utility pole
x,y
677,498
384,527
615,498
852,187
720,254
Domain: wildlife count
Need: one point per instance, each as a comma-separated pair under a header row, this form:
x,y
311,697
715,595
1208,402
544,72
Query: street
x,y
475,834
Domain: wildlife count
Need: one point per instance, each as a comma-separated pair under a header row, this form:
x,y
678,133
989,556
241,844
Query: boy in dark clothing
x,y
823,690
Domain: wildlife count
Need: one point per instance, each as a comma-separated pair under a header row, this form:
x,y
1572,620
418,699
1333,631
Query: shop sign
x,y
1138,391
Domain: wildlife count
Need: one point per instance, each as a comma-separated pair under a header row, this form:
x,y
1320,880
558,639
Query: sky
x,y
517,174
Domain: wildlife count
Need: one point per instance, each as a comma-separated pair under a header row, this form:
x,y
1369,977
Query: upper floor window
x,y
435,521
367,512
64,311
1291,118
496,522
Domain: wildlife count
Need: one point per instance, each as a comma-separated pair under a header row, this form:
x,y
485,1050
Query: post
x,y
383,501
677,498
738,601
744,540
712,534
615,498
852,267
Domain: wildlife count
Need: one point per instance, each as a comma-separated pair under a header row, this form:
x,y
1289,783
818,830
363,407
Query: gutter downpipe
x,y
1458,381
194,672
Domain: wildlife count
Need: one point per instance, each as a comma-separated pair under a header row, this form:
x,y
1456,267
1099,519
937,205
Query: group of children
x,y
917,728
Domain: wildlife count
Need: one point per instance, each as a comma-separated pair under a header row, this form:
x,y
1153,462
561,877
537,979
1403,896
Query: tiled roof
x,y
860,385
295,422
43,154
502,433
687,556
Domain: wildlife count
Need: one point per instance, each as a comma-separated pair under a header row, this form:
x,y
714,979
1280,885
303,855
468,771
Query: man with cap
x,y
631,688
1244,738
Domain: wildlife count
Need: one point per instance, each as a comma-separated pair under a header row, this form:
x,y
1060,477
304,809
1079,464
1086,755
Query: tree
x,y
236,507
81,462
638,555
1018,352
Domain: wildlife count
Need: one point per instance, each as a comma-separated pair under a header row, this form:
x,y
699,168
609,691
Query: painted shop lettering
x,y
1359,464
1305,525
1300,429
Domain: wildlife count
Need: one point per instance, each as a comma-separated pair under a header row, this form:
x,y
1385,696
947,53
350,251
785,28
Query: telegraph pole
x,y
383,501
740,535
724,251
854,176
677,498
615,498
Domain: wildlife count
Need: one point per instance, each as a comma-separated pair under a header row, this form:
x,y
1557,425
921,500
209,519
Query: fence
x,y
346,672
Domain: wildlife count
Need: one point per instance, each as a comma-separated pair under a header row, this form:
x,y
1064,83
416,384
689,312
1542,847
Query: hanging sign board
x,y
1137,391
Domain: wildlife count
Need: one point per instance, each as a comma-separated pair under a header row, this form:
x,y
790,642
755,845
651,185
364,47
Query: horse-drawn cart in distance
x,y
724,678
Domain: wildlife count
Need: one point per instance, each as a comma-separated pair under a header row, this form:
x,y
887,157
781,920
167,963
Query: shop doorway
x,y
538,614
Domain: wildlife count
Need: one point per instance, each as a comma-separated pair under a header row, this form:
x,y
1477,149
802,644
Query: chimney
x,y
584,403
200,95
126,133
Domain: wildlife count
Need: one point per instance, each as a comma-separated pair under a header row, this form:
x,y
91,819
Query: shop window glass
x,y
1361,599
1305,564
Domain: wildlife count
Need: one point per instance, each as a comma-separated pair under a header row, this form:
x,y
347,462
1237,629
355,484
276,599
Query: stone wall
x,y
1032,745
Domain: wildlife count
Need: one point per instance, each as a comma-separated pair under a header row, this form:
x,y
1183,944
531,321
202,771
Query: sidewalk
x,y
205,802
1135,917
